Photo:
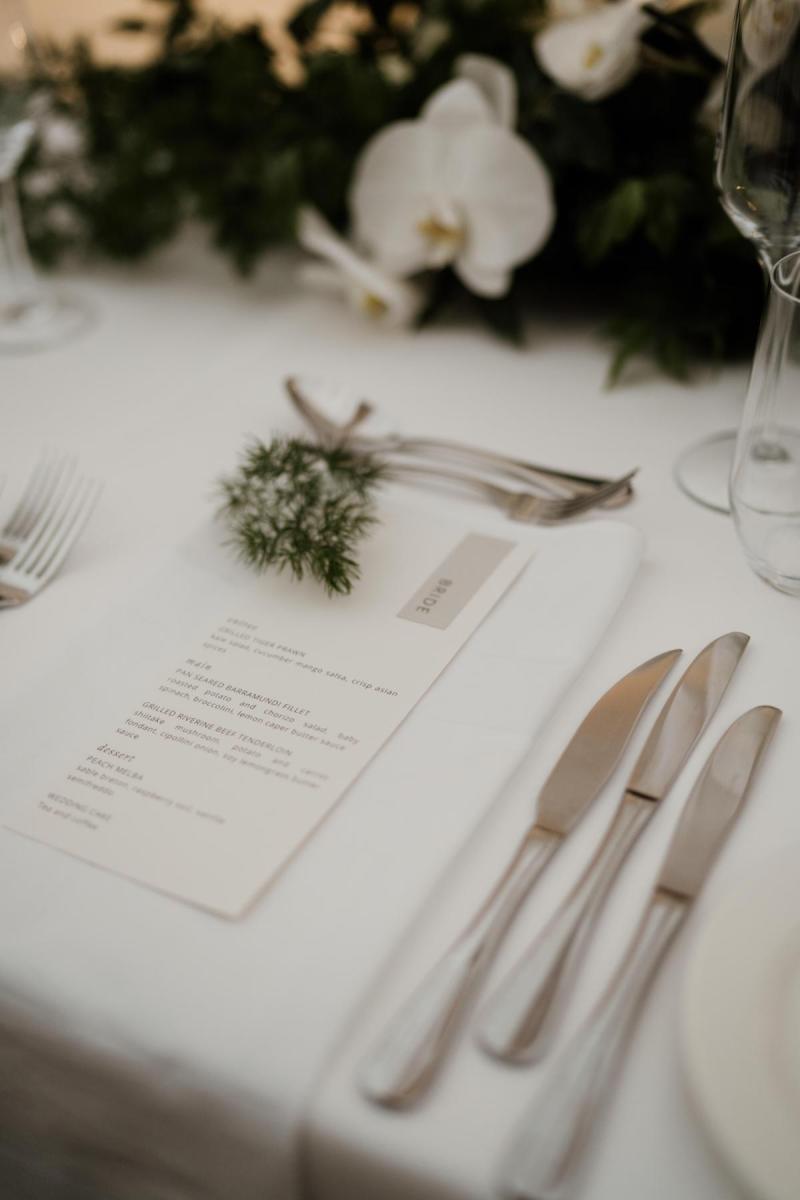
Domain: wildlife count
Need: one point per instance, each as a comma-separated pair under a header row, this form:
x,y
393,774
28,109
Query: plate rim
x,y
741,1120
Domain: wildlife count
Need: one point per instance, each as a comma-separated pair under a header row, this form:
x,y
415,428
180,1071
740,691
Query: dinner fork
x,y
46,487
549,479
519,505
40,556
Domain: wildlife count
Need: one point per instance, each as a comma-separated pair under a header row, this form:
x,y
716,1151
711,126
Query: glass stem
x,y
19,283
767,364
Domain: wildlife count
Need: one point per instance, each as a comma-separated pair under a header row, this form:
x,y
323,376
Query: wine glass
x,y
765,481
758,178
31,314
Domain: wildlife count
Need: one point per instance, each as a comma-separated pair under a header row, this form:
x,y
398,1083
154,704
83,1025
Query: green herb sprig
x,y
292,505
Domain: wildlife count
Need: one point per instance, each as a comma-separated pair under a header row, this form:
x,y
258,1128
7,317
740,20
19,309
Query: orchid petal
x,y
497,83
768,27
396,178
483,281
316,235
504,191
367,287
596,54
457,104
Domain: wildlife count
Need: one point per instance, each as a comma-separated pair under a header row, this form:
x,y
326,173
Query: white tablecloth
x,y
183,362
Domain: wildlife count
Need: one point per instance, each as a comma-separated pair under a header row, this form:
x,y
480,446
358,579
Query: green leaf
x,y
613,220
669,201
297,507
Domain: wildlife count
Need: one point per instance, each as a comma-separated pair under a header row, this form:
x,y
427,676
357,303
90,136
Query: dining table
x,y
128,1019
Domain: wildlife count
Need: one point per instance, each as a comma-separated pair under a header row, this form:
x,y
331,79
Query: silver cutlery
x,y
547,1153
549,479
44,491
519,505
41,553
408,1057
523,1016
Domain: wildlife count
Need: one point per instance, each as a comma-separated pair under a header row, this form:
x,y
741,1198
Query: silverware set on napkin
x,y
528,491
523,1017
42,527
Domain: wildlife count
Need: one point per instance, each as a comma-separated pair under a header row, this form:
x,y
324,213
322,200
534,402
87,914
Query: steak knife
x,y
524,1015
403,1065
547,1152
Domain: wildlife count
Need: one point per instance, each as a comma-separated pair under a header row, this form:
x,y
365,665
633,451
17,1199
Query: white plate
x,y
741,1029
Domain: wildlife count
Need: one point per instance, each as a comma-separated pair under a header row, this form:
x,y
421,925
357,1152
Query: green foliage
x,y
295,506
210,129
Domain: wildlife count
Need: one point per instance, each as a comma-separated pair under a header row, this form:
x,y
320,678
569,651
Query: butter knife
x,y
548,1151
524,1015
405,1062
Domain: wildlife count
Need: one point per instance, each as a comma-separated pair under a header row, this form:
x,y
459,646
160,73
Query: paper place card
x,y
240,708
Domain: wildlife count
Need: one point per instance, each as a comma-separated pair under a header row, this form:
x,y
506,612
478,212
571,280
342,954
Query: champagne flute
x,y
758,178
31,314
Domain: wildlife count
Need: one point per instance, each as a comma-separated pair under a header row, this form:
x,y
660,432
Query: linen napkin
x,y
160,1053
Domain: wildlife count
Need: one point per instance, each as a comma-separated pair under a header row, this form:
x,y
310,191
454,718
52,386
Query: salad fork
x,y
40,555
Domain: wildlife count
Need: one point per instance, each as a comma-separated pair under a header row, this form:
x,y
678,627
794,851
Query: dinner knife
x,y
548,1150
524,1015
405,1062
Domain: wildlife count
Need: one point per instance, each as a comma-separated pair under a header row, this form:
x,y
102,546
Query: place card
x,y
237,709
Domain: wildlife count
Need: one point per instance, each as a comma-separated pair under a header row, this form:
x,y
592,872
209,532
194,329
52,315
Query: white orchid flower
x,y
457,186
768,27
594,54
368,288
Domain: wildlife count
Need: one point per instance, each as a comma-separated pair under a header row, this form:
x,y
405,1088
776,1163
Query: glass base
x,y
787,582
50,318
703,471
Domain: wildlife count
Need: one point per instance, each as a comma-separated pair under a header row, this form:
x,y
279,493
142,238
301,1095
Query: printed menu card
x,y
234,709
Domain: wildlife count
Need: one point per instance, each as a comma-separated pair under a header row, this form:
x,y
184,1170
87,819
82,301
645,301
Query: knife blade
x,y
714,801
407,1059
547,1151
525,1013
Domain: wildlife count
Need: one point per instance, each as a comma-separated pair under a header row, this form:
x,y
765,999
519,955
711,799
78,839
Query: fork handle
x,y
523,1016
547,1152
406,1060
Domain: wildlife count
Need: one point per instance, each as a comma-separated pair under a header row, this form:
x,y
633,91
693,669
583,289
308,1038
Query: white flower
x,y
594,54
768,27
455,187
369,289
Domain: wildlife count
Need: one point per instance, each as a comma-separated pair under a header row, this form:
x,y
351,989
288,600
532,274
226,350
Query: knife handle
x,y
547,1152
523,1016
404,1063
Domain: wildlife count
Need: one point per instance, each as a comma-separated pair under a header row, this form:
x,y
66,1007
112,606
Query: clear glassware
x,y
32,315
758,178
765,480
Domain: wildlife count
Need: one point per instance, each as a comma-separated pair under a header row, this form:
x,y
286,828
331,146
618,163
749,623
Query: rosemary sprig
x,y
296,506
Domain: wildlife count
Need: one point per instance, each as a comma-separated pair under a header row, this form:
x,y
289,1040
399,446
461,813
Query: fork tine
x,y
16,520
72,530
30,559
43,482
526,507
47,520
